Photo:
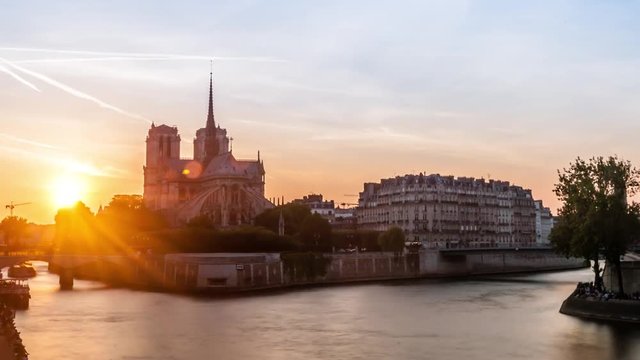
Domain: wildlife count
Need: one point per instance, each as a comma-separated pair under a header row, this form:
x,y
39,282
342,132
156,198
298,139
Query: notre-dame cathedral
x,y
213,184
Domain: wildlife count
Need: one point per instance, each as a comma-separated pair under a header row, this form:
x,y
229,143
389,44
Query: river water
x,y
502,317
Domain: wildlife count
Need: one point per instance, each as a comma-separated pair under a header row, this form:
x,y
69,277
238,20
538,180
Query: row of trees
x,y
111,230
126,225
13,229
314,232
597,220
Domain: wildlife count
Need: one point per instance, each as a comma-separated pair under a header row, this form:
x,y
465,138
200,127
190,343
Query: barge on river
x,y
15,293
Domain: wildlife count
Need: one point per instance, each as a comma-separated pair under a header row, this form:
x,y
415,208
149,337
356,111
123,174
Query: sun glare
x,y
66,191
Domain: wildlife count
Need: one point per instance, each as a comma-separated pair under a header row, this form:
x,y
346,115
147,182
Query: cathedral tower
x,y
163,147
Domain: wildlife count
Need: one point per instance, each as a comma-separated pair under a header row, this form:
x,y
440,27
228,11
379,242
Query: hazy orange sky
x,y
332,94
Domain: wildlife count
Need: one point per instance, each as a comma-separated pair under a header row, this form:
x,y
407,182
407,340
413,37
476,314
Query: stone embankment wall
x,y
237,272
611,310
434,263
630,277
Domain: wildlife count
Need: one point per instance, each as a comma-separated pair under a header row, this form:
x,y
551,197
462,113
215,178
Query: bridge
x,y
65,264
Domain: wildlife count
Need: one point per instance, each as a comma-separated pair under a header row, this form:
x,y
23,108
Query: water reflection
x,y
493,318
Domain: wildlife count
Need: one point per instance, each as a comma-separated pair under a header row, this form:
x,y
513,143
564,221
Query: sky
x,y
332,93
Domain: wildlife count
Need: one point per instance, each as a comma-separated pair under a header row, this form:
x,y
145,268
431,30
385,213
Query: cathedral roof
x,y
162,129
227,165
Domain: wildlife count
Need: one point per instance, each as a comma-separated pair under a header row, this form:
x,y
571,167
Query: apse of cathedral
x,y
213,184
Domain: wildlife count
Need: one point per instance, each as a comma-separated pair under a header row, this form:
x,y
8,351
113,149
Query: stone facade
x,y
317,205
544,223
213,183
443,211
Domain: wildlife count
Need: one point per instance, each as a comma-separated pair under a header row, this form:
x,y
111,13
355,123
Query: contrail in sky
x,y
19,78
74,92
146,56
27,141
90,59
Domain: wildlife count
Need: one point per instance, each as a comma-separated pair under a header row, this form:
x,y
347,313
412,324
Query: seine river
x,y
505,317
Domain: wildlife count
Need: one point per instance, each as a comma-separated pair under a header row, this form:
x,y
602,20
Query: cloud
x,y
67,163
74,92
106,55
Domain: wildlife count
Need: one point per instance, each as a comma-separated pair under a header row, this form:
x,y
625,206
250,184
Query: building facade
x,y
317,205
213,183
444,212
544,223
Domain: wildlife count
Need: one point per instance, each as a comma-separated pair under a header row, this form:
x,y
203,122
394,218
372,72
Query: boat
x,y
15,293
22,271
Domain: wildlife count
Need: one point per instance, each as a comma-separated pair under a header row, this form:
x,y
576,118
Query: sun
x,y
67,190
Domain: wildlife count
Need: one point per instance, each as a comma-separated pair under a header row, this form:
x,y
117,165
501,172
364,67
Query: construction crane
x,y
12,206
345,204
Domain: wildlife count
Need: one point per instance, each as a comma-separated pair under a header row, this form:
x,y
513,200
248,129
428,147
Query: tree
x,y
315,232
392,240
13,227
76,230
596,217
201,221
125,219
293,214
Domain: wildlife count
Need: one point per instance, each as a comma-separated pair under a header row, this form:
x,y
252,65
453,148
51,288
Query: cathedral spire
x,y
211,123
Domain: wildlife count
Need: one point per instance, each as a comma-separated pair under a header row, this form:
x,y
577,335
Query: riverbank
x,y
11,347
597,308
248,272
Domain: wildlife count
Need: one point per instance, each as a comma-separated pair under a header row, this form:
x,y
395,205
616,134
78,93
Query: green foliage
x,y
349,239
308,266
76,230
202,221
126,216
596,217
392,240
315,233
111,231
202,240
293,214
13,227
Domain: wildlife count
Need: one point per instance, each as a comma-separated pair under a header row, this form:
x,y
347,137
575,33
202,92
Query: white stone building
x,y
544,223
443,211
317,205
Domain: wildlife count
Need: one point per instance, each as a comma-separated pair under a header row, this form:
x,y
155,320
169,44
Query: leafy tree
x,y
392,240
201,221
202,240
76,230
124,219
293,215
596,217
348,239
13,227
315,233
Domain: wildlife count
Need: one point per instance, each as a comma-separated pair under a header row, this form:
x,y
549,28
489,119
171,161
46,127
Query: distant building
x,y
213,183
544,223
345,219
317,204
443,211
